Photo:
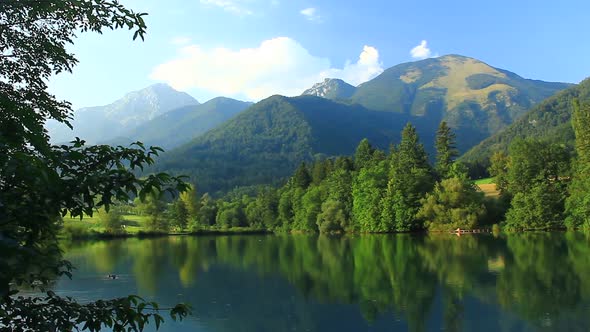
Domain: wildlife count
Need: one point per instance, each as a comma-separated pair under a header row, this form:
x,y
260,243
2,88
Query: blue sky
x,y
250,49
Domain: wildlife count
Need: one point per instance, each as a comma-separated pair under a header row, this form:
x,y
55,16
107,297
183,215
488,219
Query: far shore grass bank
x,y
134,226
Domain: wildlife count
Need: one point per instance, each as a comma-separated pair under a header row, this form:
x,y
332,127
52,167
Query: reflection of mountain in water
x,y
378,283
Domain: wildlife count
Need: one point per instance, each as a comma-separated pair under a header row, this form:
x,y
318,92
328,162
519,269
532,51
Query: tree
x,y
367,193
208,211
262,212
541,207
307,209
499,163
154,208
363,154
111,220
40,182
537,178
302,178
578,202
533,162
231,214
179,214
332,218
409,180
190,200
339,185
320,170
454,203
446,151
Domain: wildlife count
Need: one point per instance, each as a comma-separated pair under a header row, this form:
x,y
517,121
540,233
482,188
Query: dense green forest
x,y
265,143
542,184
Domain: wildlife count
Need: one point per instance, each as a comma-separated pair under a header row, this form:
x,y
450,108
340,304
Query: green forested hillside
x,y
179,126
550,120
266,142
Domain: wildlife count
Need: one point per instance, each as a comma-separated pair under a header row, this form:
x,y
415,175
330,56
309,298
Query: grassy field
x,y
487,186
133,224
484,181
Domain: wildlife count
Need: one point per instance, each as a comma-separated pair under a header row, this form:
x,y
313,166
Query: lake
x,y
521,282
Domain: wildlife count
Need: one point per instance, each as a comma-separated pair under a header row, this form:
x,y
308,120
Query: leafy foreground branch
x,y
55,313
41,182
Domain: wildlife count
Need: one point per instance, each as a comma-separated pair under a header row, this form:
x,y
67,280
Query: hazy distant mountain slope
x,y
102,123
267,141
550,120
464,91
179,126
331,88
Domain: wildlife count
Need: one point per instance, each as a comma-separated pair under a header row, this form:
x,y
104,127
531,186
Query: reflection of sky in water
x,y
364,283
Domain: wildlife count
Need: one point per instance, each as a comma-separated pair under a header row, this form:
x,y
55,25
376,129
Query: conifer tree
x,y
363,154
446,151
302,178
410,180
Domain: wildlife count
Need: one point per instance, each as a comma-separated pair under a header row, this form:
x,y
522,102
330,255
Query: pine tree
x,y
412,179
446,150
363,154
302,178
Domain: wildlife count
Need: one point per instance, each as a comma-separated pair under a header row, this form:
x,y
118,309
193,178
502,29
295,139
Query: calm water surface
x,y
524,282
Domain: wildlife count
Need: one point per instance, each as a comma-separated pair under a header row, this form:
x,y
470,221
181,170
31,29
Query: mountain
x,y
467,93
331,88
267,141
180,125
102,123
550,120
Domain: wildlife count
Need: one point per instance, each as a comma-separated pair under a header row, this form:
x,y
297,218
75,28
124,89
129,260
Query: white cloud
x,y
421,51
366,68
180,40
276,66
233,6
311,14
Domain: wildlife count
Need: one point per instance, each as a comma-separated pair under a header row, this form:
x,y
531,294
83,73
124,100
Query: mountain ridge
x,y
462,89
178,126
101,123
264,143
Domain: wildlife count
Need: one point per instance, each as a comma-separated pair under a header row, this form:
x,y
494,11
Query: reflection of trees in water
x,y
542,277
539,281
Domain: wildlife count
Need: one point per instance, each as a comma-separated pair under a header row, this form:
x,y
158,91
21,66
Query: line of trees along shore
x,y
542,185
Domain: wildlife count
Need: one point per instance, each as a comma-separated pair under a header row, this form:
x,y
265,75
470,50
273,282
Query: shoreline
x,y
144,234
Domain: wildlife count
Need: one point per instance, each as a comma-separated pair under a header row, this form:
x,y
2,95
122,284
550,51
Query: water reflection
x,y
532,281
